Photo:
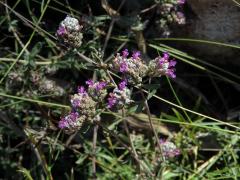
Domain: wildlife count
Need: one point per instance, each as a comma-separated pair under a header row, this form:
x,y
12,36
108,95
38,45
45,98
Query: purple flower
x,y
181,1
96,85
172,63
62,124
69,32
171,73
97,89
81,90
90,82
77,99
166,55
123,67
125,53
133,67
136,55
122,84
69,120
120,96
169,149
166,66
61,31
161,61
101,85
76,103
112,100
180,18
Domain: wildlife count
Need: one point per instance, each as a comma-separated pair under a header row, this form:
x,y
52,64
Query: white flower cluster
x,y
71,24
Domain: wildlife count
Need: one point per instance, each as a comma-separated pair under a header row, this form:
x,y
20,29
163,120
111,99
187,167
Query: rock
x,y
216,20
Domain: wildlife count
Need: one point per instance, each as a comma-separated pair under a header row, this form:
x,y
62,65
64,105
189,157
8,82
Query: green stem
x,y
35,101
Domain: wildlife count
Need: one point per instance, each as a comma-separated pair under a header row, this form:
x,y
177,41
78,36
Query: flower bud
x,y
69,32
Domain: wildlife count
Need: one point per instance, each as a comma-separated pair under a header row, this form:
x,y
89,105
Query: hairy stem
x,y
130,140
151,125
95,131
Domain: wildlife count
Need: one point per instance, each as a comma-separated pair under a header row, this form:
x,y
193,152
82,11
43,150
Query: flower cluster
x,y
132,67
71,121
97,90
169,149
84,105
170,13
69,32
86,102
162,66
120,96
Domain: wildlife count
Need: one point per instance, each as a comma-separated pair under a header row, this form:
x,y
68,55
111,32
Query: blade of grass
x,y
208,164
199,41
193,64
176,97
196,113
186,109
35,101
177,52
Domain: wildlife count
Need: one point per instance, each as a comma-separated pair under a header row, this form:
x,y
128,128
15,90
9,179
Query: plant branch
x,y
151,125
130,140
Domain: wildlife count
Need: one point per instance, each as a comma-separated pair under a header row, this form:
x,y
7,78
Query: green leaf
x,y
151,94
26,173
151,86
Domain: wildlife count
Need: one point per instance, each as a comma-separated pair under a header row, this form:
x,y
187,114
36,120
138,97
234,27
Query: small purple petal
x,y
75,103
162,141
61,31
90,82
111,100
136,55
177,152
166,55
125,53
62,124
169,149
172,63
180,15
181,1
81,90
161,61
101,85
74,115
66,121
123,67
171,73
180,18
122,85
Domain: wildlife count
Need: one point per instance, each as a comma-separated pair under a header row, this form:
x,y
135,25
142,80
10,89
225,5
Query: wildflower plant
x,y
132,67
162,65
120,97
170,12
84,104
169,149
69,32
118,102
99,96
97,90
